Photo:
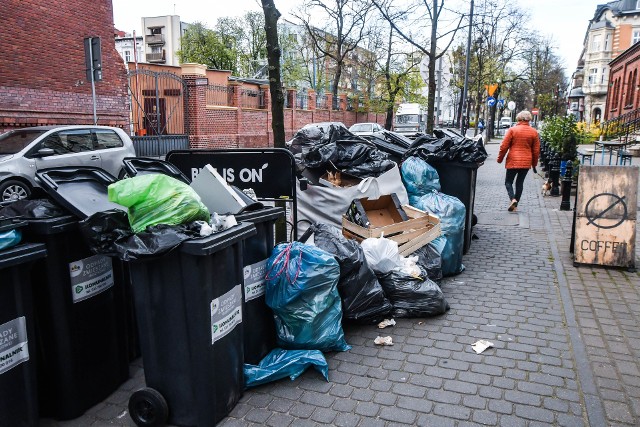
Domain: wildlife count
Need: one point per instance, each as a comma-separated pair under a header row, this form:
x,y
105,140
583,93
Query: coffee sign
x,y
606,216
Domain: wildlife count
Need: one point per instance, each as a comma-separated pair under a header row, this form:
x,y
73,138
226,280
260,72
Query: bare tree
x,y
336,28
271,16
404,19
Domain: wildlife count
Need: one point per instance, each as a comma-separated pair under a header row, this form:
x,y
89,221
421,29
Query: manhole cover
x,y
498,218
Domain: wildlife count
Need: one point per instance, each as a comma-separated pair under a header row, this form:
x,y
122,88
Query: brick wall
x,y
42,71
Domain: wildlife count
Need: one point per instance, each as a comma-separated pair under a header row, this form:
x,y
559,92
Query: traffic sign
x,y
491,101
501,103
511,105
535,111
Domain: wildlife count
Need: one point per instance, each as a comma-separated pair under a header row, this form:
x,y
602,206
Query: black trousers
x,y
518,175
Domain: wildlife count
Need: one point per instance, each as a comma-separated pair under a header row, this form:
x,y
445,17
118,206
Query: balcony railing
x,y
154,38
156,57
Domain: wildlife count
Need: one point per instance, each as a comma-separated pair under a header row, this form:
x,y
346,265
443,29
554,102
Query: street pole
x,y
439,91
466,70
93,85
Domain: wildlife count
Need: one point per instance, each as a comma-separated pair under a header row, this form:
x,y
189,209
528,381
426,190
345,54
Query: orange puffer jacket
x,y
523,144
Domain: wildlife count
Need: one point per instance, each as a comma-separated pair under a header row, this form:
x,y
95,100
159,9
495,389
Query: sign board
x,y
606,216
535,111
501,103
491,89
491,101
511,105
269,172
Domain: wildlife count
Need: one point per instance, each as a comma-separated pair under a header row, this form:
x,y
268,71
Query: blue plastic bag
x,y
281,363
10,238
419,177
451,212
302,291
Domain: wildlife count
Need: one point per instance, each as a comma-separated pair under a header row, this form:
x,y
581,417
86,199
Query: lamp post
x,y
466,69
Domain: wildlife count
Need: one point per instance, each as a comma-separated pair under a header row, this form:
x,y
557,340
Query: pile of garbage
x,y
447,145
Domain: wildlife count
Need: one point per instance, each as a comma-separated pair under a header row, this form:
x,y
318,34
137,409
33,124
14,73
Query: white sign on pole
x,y
511,105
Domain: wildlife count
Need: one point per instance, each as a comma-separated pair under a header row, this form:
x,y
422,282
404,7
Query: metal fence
x,y
321,102
302,101
159,145
252,98
219,95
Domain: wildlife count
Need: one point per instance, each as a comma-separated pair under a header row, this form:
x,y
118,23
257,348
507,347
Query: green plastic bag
x,y
157,199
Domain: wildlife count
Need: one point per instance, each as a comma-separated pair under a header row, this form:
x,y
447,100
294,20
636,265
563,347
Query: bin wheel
x,y
148,408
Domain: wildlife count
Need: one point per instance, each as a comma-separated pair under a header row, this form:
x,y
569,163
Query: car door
x,y
111,149
73,147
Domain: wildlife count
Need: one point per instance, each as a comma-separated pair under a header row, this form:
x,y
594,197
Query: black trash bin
x,y
259,326
189,311
80,315
458,179
18,386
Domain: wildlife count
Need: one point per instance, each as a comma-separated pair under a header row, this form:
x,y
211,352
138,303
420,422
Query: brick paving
x,y
567,342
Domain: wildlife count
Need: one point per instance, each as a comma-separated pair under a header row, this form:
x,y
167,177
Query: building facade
x,y
161,39
624,83
43,80
130,47
614,27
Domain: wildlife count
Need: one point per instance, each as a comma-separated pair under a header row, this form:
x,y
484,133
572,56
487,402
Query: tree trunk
x,y
271,15
432,68
336,82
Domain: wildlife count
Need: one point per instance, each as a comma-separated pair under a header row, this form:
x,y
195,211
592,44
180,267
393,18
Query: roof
x,y
248,80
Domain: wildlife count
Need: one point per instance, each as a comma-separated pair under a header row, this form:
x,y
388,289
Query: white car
x,y
365,128
23,152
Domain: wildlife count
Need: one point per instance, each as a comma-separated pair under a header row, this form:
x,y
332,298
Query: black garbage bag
x,y
430,261
354,156
413,296
311,136
109,233
446,145
32,209
363,299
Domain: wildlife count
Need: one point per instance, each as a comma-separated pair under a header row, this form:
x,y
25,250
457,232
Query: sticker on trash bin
x,y
90,276
254,280
226,313
13,344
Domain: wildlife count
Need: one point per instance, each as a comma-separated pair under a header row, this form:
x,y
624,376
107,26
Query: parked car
x,y
25,151
505,122
365,128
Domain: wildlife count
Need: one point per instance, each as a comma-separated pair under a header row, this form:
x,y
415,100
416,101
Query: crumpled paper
x,y
481,345
383,341
386,322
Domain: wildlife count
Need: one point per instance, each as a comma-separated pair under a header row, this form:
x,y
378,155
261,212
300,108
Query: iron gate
x,y
159,114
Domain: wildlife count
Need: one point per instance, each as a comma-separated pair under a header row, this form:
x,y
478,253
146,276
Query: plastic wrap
x,y
302,291
33,208
356,156
419,177
413,296
363,299
452,214
281,363
448,146
382,254
11,238
157,199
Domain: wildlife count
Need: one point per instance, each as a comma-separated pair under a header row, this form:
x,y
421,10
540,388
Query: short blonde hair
x,y
524,116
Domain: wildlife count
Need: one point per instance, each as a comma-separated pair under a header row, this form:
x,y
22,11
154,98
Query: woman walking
x,y
521,145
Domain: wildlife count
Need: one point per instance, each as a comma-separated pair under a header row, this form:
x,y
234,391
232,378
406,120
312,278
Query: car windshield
x,y
403,119
361,128
15,140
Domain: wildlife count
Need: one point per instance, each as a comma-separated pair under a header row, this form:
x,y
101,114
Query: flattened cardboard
x,y
216,194
380,212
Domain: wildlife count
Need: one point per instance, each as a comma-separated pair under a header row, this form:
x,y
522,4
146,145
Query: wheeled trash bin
x,y
19,402
190,321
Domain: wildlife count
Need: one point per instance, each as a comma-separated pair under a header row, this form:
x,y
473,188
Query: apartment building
x,y
161,39
614,27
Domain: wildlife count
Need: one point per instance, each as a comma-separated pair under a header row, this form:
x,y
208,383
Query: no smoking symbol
x,y
612,202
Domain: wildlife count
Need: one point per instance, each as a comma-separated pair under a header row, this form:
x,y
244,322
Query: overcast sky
x,y
565,21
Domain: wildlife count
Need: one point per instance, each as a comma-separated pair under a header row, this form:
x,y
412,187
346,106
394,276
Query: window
x,y
595,43
635,37
638,4
606,42
156,49
593,76
602,76
107,139
73,141
127,56
156,31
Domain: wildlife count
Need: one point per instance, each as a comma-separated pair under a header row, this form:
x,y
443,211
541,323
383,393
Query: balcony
x,y
602,56
154,39
156,57
595,89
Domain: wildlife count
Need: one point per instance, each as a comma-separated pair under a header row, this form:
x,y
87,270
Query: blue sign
x,y
500,103
491,101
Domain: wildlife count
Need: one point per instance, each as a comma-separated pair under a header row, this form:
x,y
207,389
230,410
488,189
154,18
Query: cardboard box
x,y
339,179
385,210
216,194
411,235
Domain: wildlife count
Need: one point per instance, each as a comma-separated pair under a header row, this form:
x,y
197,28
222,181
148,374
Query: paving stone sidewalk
x,y
566,342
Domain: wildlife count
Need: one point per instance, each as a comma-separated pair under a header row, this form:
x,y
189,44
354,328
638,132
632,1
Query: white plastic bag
x,y
382,254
